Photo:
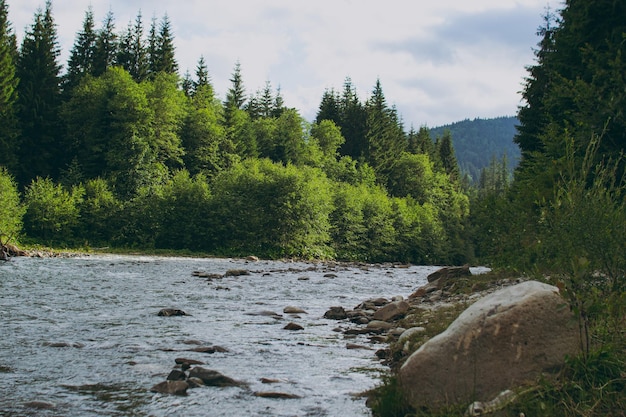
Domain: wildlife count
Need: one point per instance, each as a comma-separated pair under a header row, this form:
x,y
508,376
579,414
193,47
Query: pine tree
x,y
235,97
81,60
39,96
8,91
105,55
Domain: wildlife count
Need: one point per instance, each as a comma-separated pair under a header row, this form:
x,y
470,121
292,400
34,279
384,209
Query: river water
x,y
81,336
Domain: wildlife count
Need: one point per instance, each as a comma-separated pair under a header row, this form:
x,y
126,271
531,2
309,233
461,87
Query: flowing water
x,y
81,336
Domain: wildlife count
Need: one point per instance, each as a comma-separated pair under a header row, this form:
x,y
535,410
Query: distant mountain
x,y
477,141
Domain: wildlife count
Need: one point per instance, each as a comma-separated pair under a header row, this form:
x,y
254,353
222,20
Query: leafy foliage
x,y
11,209
52,212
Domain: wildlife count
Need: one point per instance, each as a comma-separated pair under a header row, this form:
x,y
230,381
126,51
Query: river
x,y
82,337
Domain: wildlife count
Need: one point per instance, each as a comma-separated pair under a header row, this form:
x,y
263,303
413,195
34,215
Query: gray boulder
x,y
507,338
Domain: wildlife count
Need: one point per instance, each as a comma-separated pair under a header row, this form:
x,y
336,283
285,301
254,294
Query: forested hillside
x,y
478,141
122,150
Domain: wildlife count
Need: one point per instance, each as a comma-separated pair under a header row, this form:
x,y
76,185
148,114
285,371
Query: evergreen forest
x,y
120,150
477,142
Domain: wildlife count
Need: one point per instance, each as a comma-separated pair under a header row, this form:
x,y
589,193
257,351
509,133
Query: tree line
x,y
122,150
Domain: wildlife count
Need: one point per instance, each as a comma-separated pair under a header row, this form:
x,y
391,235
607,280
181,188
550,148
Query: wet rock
x,y
293,310
293,326
275,394
188,361
171,312
271,380
266,313
176,375
356,346
236,272
303,278
213,378
330,275
209,349
336,313
64,345
171,388
39,405
252,258
195,382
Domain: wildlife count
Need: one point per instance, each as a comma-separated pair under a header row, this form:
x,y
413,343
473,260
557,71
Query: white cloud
x,y
437,61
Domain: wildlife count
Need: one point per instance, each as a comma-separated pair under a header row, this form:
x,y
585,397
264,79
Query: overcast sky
x,y
438,61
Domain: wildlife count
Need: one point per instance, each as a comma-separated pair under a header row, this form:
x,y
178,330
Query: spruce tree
x,y
105,55
133,53
352,122
81,60
161,48
447,157
329,108
385,140
39,97
576,89
8,91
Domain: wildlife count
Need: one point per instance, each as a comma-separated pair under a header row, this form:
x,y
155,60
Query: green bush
x,y
265,208
52,212
11,210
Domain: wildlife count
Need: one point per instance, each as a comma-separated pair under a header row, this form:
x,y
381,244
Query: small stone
x,y
336,313
176,375
274,394
181,361
293,310
293,326
236,272
171,388
213,378
355,346
170,312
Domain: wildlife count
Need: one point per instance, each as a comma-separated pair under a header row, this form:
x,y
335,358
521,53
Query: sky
x,y
438,61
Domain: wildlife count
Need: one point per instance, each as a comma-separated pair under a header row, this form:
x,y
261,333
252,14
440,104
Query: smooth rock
x,y
188,361
293,326
293,310
391,311
171,388
213,378
408,333
379,325
505,339
450,272
275,394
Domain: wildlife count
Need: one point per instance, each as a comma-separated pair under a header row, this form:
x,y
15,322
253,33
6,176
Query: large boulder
x,y
501,341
